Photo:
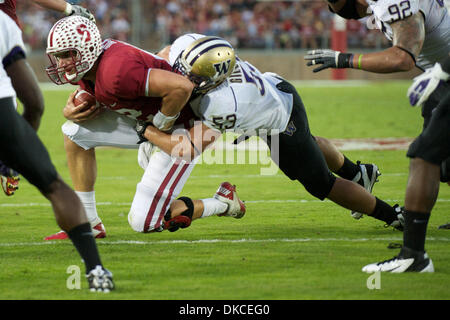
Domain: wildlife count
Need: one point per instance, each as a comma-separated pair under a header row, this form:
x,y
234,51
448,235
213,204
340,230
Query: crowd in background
x,y
247,24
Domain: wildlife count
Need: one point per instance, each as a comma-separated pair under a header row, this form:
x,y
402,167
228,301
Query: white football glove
x,y
424,85
163,122
144,154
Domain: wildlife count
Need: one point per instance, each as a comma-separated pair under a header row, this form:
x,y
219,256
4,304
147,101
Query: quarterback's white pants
x,y
161,184
108,129
163,178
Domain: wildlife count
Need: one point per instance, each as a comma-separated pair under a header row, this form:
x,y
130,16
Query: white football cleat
x,y
100,280
98,231
227,194
367,177
407,261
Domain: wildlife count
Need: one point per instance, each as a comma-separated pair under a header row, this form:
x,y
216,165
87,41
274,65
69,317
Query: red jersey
x,y
9,7
122,80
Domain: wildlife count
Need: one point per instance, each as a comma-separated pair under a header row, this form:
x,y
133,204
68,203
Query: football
x,y
82,96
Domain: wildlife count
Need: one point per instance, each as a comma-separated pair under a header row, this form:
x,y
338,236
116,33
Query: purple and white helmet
x,y
81,38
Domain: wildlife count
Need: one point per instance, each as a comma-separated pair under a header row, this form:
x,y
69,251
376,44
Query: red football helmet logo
x,y
82,30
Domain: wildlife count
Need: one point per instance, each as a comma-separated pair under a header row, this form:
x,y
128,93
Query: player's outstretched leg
x,y
364,174
225,203
83,170
352,196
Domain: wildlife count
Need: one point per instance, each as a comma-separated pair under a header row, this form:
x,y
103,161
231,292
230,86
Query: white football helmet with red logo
x,y
80,38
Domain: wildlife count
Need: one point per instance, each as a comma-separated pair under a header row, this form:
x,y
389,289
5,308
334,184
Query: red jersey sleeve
x,y
126,71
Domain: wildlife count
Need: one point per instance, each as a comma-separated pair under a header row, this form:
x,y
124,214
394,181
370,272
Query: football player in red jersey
x,y
129,84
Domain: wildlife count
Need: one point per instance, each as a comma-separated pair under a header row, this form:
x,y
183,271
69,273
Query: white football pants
x,y
163,179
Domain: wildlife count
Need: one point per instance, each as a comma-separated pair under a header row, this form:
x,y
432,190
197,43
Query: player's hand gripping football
x,y
424,85
78,111
9,179
327,58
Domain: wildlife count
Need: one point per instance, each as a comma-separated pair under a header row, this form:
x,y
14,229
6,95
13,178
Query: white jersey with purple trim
x,y
10,40
437,25
248,100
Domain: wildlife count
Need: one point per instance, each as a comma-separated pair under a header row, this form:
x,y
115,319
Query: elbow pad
x,y
348,11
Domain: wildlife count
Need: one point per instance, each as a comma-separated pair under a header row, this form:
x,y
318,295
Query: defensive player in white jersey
x,y
22,150
251,102
420,35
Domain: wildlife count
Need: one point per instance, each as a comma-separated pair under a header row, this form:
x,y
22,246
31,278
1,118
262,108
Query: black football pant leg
x,y
22,150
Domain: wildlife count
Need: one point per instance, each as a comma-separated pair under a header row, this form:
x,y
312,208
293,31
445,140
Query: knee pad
x,y
183,220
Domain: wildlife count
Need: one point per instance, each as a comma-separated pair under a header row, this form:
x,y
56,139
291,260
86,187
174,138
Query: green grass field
x,y
289,246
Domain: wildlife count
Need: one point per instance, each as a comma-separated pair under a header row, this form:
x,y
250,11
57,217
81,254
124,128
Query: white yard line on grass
x,y
209,241
246,176
38,204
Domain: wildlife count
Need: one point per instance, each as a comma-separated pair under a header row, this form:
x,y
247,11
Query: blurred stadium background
x,y
260,30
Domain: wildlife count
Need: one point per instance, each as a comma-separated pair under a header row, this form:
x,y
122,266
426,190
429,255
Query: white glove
x,y
163,122
424,84
144,154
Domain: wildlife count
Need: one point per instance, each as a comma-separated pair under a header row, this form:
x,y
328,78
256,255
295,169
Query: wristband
x,y
359,61
345,60
68,9
163,122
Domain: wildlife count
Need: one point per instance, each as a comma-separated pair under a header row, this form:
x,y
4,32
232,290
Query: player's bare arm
x,y
174,90
57,5
186,145
409,34
81,112
408,37
65,7
28,92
